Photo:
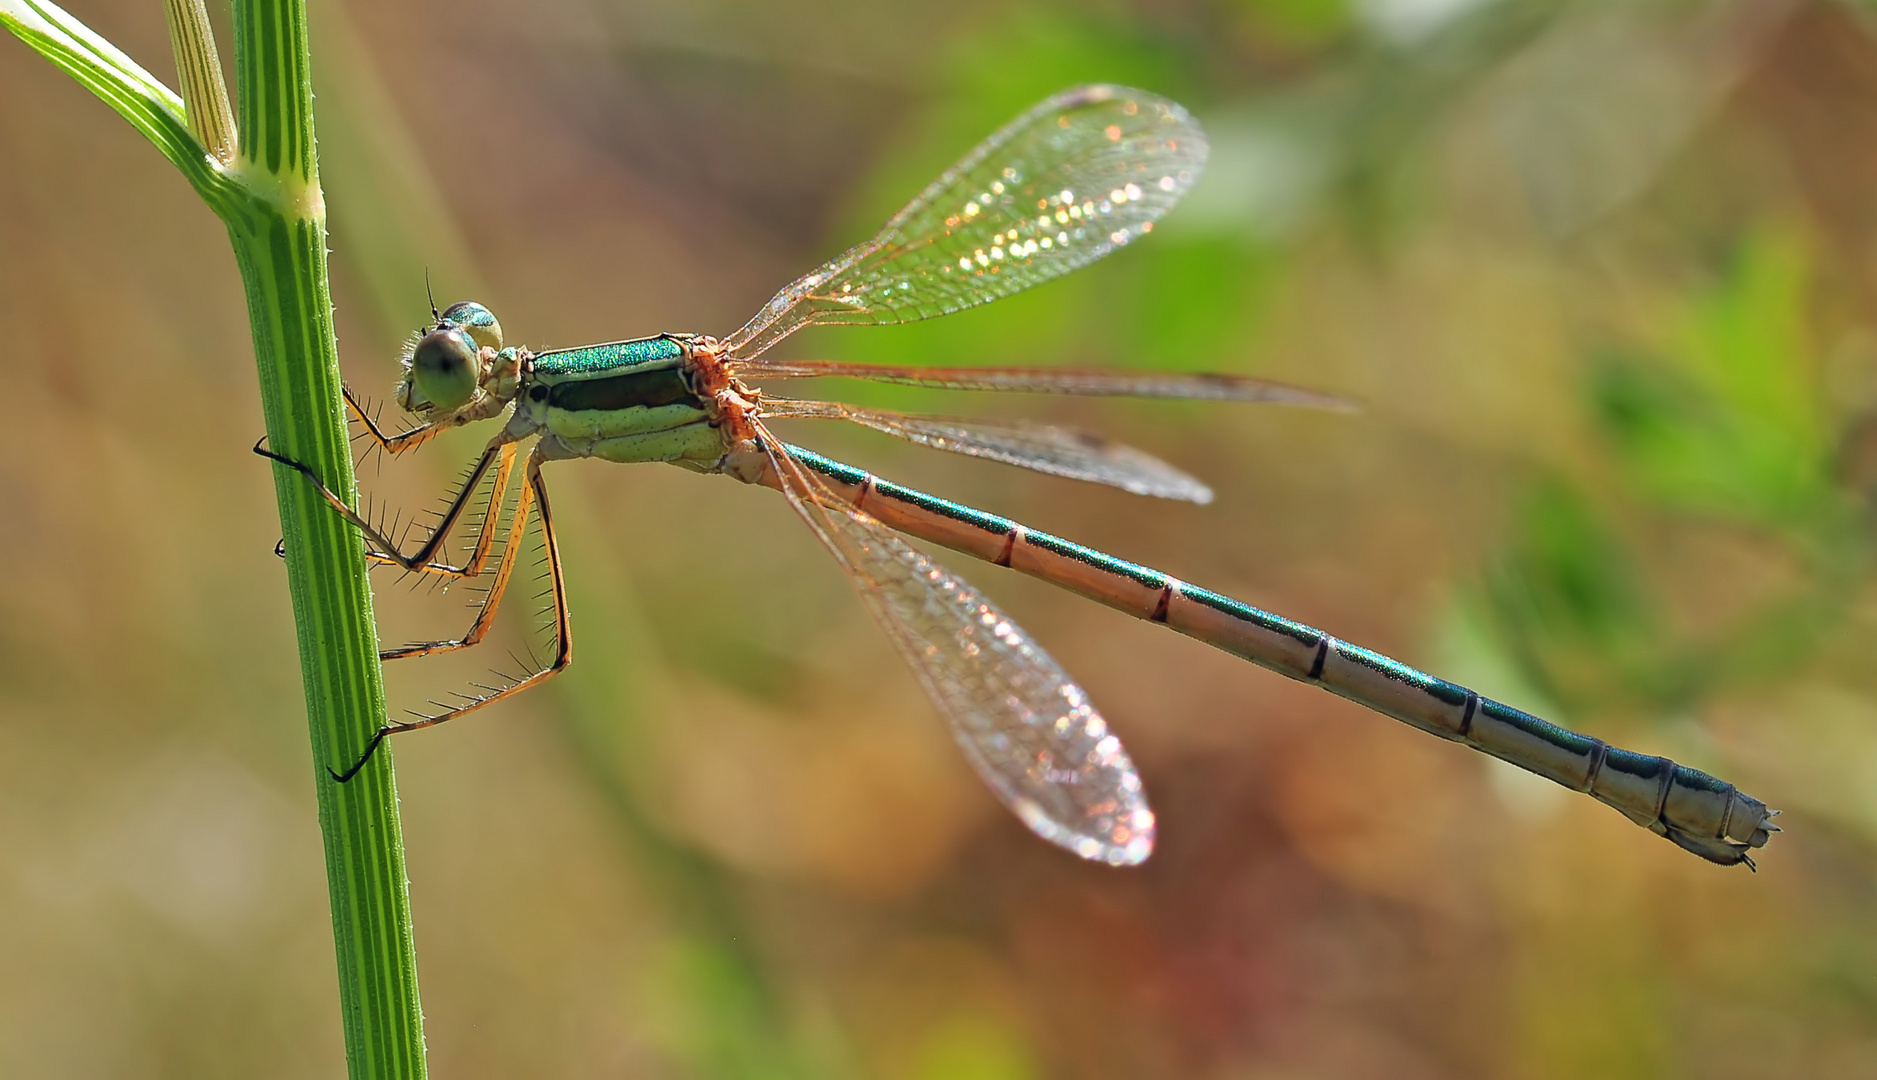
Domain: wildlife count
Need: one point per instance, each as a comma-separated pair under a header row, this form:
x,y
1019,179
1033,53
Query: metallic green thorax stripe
x,y
1451,693
616,356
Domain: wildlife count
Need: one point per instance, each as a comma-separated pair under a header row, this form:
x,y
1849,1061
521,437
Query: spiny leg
x,y
391,444
503,446
485,529
536,489
485,617
485,538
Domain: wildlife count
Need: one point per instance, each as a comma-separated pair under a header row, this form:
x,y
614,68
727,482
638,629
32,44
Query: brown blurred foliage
x,y
1601,272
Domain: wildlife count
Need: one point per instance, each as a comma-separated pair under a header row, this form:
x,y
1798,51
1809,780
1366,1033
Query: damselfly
x,y
1079,175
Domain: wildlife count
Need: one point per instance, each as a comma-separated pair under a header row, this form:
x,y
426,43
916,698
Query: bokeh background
x,y
1601,273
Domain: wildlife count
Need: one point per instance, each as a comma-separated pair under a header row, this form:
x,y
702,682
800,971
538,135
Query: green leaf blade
x,y
136,95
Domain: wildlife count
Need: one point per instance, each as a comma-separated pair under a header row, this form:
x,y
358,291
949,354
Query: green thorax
x,y
612,358
623,401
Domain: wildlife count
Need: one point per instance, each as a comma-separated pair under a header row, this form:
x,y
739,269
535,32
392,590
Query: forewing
x,y
1085,382
1026,727
1059,187
1059,451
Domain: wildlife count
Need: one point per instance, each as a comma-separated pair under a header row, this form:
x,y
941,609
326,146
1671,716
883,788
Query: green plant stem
x,y
267,192
280,246
199,75
282,264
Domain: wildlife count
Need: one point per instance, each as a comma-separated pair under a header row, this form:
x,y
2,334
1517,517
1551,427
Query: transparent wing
x,y
1059,187
1083,382
1026,727
1078,455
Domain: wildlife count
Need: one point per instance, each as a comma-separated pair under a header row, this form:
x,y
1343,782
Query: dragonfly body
x,y
1081,174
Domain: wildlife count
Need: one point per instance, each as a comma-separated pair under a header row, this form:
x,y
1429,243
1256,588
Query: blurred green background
x,y
1603,275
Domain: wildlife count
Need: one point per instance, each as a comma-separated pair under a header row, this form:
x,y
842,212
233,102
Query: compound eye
x,y
444,368
478,320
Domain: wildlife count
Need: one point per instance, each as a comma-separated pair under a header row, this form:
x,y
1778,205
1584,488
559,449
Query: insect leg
x,y
534,491
501,449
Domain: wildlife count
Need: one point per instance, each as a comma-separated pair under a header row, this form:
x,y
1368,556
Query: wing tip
x,y
1126,839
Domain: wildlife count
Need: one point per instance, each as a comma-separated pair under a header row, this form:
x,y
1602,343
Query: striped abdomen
x,y
1705,815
